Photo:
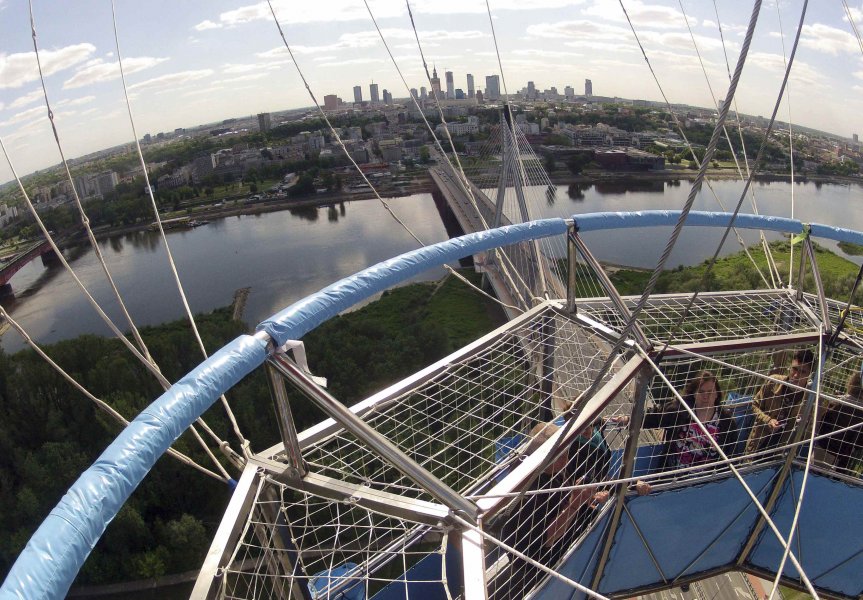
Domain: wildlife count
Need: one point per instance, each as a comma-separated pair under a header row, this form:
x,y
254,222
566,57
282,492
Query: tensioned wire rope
x,y
146,358
463,180
100,404
341,144
768,255
790,146
92,301
244,443
678,227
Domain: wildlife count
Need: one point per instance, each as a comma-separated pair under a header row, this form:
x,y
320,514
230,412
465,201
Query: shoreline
x,y
425,185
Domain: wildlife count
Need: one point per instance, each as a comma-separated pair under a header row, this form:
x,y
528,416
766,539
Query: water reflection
x,y
307,213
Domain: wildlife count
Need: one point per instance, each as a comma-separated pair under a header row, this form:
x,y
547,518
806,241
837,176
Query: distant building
x,y
470,89
459,94
147,138
331,102
588,88
202,167
388,98
358,94
492,87
569,92
265,123
435,82
479,96
531,90
106,182
373,94
450,86
423,93
7,214
391,150
415,94
856,139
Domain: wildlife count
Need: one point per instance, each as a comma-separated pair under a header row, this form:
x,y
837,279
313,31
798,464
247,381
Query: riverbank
x,y
424,185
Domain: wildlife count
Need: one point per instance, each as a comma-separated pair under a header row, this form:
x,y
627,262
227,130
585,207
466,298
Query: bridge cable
x,y
631,322
244,443
505,261
463,180
767,253
853,24
338,139
100,404
790,147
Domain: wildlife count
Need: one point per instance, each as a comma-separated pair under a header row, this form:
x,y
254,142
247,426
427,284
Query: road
x,y
728,586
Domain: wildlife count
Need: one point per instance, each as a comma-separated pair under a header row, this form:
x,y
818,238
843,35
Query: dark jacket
x,y
674,419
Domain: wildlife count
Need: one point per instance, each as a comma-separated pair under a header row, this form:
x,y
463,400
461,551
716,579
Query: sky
x,y
190,62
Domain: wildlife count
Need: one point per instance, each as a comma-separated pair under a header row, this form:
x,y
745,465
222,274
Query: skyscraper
x,y
450,86
373,93
568,91
588,88
435,83
492,87
531,90
264,122
470,91
423,93
388,98
331,102
358,94
415,94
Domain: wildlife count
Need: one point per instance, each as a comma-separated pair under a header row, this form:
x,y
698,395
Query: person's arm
x,y
757,410
667,416
564,518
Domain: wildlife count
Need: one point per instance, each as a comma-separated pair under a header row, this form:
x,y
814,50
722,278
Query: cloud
x,y
580,31
829,40
172,80
353,61
370,39
642,15
76,101
26,99
37,113
98,71
21,68
801,72
204,25
537,52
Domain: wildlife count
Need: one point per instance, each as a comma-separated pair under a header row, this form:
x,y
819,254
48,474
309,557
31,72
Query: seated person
x,y
847,446
542,526
686,442
776,406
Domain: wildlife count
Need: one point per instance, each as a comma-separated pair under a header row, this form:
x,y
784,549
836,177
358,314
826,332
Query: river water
x,y
284,256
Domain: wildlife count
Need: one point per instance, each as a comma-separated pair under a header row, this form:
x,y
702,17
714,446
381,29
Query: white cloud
x,y
247,77
20,68
829,40
801,72
353,61
98,71
204,25
709,24
580,30
642,15
76,101
37,113
172,79
545,53
26,99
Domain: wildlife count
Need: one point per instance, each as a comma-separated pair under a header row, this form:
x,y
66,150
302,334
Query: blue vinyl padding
x,y
741,408
830,529
301,317
578,566
712,520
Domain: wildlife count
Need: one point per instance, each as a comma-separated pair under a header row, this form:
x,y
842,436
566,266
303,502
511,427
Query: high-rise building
x,y
588,88
470,90
435,83
388,98
459,94
450,86
373,93
531,90
856,138
423,93
264,122
479,96
569,91
415,94
492,87
358,94
331,102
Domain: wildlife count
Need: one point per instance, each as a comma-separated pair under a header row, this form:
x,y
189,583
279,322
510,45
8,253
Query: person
x,y
542,526
686,442
847,446
776,405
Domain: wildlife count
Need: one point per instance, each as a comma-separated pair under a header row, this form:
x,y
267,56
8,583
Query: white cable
x,y
100,404
793,528
149,188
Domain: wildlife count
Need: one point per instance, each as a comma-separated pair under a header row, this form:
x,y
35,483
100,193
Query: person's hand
x,y
642,488
599,498
774,424
619,420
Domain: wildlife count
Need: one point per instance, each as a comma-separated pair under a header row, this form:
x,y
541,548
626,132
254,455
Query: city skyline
x,y
222,60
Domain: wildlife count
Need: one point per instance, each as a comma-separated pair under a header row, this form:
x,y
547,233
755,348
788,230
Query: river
x,y
284,256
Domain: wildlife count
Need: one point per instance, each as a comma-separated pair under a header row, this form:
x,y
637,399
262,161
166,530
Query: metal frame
x,y
826,325
209,579
377,442
642,383
285,419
